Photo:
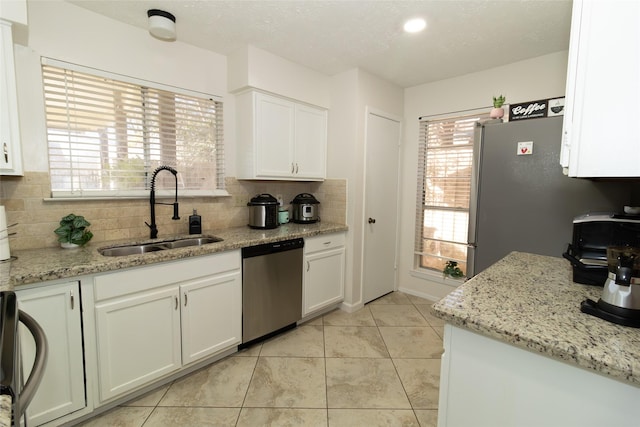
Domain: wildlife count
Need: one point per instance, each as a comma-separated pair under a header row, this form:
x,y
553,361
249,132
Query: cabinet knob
x,y
296,168
176,303
185,299
292,167
372,221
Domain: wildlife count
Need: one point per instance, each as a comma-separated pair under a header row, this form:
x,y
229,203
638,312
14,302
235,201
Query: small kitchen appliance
x,y
305,208
263,211
592,235
620,300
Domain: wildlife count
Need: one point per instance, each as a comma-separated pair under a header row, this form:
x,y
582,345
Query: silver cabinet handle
x,y
296,168
292,167
6,153
72,301
176,303
327,243
308,265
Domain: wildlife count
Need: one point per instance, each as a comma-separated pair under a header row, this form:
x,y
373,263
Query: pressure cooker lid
x,y
305,199
263,199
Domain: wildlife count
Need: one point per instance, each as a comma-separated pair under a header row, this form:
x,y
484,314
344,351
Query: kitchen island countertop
x,y
530,301
40,265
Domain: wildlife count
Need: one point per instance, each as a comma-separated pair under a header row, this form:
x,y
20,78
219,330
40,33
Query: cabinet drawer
x,y
144,278
324,242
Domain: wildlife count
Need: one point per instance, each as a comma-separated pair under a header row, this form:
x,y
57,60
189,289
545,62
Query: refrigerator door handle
x,y
471,255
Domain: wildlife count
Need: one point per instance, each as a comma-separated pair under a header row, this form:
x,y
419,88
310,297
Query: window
x,y
444,190
107,134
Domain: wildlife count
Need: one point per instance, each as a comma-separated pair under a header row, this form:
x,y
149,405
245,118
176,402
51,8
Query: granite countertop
x,y
39,265
530,301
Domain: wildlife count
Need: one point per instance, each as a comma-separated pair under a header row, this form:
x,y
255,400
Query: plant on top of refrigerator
x,y
498,101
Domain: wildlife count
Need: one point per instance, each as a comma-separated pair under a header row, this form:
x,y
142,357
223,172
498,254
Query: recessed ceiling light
x,y
415,25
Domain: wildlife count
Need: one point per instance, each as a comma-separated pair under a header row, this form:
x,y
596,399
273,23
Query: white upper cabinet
x,y
280,139
10,150
600,137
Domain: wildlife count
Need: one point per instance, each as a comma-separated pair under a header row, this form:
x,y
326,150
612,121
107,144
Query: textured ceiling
x,y
334,36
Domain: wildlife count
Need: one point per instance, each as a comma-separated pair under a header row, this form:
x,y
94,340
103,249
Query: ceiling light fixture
x,y
415,25
162,25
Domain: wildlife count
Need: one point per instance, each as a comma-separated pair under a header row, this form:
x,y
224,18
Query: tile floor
x,y
379,366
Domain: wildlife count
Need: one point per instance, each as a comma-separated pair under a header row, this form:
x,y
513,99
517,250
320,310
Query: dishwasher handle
x,y
39,363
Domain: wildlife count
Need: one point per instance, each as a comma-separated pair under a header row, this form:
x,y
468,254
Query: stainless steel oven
x,y
11,385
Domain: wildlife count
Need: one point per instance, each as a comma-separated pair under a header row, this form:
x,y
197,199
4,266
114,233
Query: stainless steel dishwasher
x,y
271,288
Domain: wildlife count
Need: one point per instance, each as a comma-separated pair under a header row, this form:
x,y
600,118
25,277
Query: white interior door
x,y
381,205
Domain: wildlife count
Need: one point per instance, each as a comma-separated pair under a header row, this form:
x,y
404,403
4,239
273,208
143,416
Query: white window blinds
x,y
107,134
444,190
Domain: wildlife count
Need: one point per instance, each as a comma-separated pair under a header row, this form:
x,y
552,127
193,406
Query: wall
x,y
351,93
60,30
536,78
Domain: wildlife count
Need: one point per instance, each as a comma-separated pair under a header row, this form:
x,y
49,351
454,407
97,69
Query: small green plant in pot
x,y
451,269
497,112
73,231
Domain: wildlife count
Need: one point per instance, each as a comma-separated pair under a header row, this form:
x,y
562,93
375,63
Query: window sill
x,y
437,278
169,194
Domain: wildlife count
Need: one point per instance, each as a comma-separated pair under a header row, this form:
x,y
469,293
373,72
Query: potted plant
x,y
451,269
497,111
73,231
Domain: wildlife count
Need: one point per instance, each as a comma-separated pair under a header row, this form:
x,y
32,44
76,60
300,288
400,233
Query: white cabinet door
x,y
280,139
274,135
603,85
10,149
57,309
211,315
138,339
324,269
311,143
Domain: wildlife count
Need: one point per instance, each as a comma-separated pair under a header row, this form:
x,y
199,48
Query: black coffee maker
x,y
620,300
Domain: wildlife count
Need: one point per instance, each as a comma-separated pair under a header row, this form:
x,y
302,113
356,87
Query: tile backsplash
x,y
25,204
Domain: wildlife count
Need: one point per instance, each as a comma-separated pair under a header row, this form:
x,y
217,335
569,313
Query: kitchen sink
x,y
142,248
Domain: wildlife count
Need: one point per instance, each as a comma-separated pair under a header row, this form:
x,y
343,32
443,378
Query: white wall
x,y
60,30
537,78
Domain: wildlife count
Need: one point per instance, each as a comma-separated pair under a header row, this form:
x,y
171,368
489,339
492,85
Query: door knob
x,y
372,221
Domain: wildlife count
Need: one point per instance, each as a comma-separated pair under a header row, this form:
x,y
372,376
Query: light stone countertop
x,y
39,265
530,301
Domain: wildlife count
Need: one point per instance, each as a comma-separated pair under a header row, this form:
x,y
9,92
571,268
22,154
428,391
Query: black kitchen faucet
x,y
152,200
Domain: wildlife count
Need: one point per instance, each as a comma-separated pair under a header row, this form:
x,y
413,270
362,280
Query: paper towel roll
x,y
5,253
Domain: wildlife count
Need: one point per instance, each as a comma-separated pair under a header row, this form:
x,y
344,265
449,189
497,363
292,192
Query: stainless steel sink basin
x,y
191,241
143,248
131,250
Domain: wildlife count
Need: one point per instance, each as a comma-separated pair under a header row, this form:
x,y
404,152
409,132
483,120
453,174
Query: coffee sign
x,y
536,109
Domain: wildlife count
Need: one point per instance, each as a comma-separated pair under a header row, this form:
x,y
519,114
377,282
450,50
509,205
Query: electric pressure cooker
x,y
263,211
305,208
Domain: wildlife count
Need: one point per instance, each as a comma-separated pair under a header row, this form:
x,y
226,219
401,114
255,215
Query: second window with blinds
x,y
107,133
444,191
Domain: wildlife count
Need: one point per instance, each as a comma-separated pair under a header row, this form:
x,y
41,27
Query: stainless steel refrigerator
x,y
524,202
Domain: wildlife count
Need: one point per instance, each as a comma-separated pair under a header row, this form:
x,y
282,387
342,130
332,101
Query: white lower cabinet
x,y
324,269
56,308
151,321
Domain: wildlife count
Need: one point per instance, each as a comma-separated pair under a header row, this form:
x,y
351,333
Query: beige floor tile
x,y
397,315
364,383
223,384
282,417
439,330
288,382
421,380
120,417
149,399
162,417
419,342
425,310
419,301
392,298
315,321
427,417
372,418
354,341
303,341
361,317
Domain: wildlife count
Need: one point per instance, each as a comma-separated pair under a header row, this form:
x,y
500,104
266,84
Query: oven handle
x,y
37,371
